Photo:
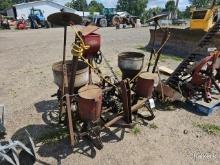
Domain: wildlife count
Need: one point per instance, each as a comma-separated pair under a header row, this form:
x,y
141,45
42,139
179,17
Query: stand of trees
x,y
4,4
202,3
81,5
171,8
134,7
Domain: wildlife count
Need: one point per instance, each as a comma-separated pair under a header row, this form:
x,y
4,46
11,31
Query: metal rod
x,y
134,108
152,50
68,106
166,36
74,67
64,44
64,58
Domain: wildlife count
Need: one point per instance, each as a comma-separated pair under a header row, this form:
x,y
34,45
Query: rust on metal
x,y
93,40
145,84
68,107
82,72
126,100
90,103
134,108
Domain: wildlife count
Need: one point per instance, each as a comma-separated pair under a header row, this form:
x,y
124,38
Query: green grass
x,y
135,130
141,47
153,126
163,57
176,58
167,106
211,129
53,136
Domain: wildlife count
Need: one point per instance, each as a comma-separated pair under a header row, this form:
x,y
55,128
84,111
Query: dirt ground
x,y
26,86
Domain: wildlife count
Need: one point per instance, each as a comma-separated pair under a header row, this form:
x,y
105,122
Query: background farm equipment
x,y
21,24
4,22
178,77
201,22
125,20
197,75
88,107
110,18
203,76
37,19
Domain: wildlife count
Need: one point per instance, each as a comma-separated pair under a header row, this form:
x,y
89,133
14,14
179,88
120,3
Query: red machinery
x,y
204,75
21,24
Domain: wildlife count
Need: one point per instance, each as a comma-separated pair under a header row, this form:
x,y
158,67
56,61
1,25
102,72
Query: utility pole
x,y
176,10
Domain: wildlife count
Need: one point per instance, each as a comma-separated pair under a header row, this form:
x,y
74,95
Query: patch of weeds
x,y
27,71
118,72
167,106
109,61
53,137
211,129
176,58
135,130
163,58
13,93
153,126
141,47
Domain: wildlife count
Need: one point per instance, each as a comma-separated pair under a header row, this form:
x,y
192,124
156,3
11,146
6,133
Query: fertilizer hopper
x,y
82,73
130,64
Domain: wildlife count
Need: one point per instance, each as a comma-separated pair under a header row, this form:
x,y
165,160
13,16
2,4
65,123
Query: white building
x,y
46,6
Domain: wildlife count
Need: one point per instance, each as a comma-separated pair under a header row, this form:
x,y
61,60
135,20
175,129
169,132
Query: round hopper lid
x,y
90,92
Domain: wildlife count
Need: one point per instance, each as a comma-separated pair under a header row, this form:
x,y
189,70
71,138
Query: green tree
x,y
134,7
80,5
187,12
171,7
200,3
149,13
4,4
95,6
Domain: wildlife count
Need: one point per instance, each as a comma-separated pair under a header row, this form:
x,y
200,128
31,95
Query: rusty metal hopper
x,y
130,63
82,74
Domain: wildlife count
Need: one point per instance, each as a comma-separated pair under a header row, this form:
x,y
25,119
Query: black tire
x,y
47,24
103,22
36,26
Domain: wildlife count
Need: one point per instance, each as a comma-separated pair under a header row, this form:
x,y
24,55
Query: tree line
x,y
4,4
134,7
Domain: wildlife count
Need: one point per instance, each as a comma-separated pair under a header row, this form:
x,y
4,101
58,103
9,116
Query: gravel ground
x,y
26,84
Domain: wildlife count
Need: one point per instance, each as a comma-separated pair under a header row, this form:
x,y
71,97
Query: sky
x,y
151,3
